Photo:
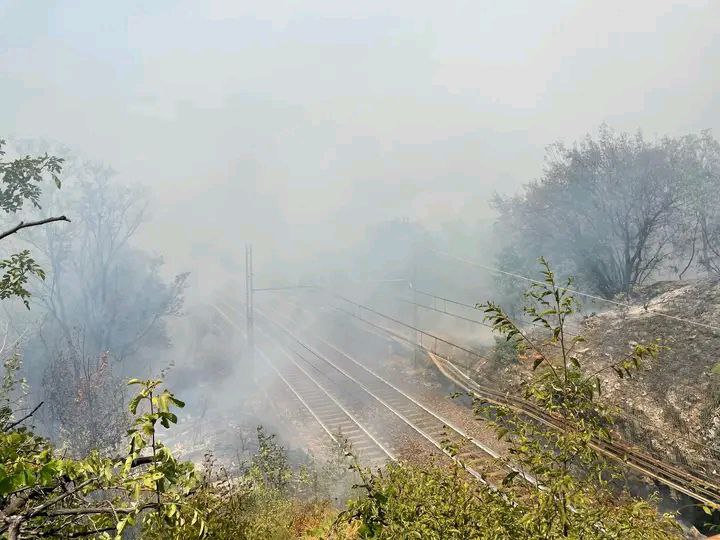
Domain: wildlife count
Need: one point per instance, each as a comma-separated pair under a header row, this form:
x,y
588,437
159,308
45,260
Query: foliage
x,y
18,268
576,499
20,181
504,352
614,208
14,389
269,498
408,501
44,494
270,466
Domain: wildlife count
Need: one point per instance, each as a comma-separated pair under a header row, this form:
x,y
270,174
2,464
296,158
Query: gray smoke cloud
x,y
294,125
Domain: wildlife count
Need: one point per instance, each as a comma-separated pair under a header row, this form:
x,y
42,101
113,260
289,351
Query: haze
x,y
294,125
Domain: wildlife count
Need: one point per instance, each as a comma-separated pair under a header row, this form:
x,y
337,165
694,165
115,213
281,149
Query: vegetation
x,y
103,294
617,208
20,181
505,351
573,495
269,498
103,305
558,484
43,493
46,495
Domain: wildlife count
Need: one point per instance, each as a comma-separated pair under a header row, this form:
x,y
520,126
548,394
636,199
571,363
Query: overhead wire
x,y
575,291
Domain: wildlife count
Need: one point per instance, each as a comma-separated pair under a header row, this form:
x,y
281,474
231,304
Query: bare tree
x,y
698,232
85,398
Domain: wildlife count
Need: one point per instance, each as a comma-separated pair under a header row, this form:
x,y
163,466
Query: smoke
x,y
296,126
312,130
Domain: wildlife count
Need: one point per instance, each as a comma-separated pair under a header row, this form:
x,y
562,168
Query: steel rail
x,y
663,472
472,471
674,477
347,413
334,400
484,448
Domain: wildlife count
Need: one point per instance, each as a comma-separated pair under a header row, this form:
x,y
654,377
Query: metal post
x,y
249,312
418,336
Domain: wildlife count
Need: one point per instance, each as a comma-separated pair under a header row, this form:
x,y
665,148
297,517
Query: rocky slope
x,y
672,407
674,404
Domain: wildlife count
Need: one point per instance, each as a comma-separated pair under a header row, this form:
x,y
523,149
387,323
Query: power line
x,y
431,308
574,291
399,322
468,306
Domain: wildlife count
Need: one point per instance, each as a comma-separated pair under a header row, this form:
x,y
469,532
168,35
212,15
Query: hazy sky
x,y
298,122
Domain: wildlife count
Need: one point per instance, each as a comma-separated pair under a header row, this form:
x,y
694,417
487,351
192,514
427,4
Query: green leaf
x,y
179,403
134,402
121,525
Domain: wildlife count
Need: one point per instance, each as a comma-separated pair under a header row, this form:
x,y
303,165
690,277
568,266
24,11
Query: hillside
x,y
674,405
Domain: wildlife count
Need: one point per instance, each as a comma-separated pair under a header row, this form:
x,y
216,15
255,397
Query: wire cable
x,y
574,291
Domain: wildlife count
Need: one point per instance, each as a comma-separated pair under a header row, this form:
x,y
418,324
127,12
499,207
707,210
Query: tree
x,y
604,208
46,495
698,233
20,181
101,286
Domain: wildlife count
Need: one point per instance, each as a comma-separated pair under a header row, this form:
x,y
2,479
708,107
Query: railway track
x,y
316,398
382,410
671,475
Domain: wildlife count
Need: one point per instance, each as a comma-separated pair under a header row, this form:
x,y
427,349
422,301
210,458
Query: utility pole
x,y
413,280
249,312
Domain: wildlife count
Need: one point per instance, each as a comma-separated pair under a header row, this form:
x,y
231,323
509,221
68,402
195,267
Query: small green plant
x,y
270,465
20,181
430,502
270,498
44,494
575,499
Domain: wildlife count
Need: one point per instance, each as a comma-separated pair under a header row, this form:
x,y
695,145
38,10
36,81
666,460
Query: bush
x,y
568,493
44,494
269,498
